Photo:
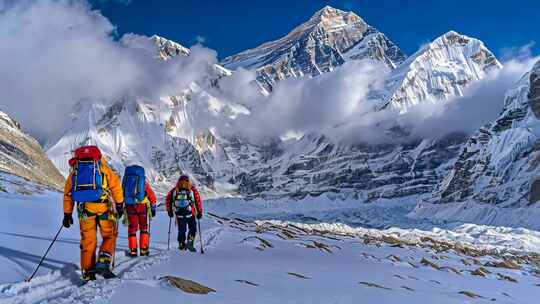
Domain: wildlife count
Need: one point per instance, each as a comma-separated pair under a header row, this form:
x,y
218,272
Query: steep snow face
x,y
21,155
317,46
440,70
160,138
162,135
498,163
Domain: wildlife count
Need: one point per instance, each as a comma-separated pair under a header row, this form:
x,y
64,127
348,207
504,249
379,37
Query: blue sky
x,y
232,26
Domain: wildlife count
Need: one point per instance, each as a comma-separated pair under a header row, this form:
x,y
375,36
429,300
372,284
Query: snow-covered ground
x,y
253,258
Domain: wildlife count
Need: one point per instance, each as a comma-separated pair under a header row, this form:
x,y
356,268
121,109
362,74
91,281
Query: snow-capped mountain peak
x,y
6,121
168,48
328,39
330,19
439,70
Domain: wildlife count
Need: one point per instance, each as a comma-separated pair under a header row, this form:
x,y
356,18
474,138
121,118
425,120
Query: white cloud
x,y
56,53
480,104
520,53
340,105
200,39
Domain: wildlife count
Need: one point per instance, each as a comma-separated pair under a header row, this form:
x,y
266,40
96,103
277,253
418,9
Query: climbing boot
x,y
88,276
133,253
190,244
103,264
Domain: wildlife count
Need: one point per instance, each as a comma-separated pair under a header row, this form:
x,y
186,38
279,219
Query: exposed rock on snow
x,y
297,275
187,285
368,284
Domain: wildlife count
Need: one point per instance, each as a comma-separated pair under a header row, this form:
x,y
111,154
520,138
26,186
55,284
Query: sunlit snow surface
x,y
341,263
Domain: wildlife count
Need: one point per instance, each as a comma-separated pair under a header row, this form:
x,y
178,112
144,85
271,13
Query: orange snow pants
x,y
89,227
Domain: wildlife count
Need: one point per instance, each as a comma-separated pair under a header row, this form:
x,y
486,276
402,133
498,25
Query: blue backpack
x,y
87,178
182,200
133,185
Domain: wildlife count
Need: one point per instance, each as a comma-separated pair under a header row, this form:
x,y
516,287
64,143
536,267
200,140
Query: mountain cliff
x,y
21,155
498,164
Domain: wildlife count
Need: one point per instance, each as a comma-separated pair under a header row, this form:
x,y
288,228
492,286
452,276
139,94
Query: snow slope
x,y
272,262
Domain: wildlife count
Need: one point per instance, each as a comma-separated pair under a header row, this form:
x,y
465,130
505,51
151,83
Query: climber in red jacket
x,y
184,202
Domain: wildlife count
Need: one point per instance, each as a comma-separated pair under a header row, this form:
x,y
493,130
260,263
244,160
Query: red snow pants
x,y
137,220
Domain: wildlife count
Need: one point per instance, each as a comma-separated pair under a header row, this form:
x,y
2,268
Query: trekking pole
x,y
115,241
46,252
200,236
169,239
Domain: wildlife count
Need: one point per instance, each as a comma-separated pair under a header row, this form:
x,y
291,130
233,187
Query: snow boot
x,y
145,252
102,266
88,276
133,253
181,246
190,244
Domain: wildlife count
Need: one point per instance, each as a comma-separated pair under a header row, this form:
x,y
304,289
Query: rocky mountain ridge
x,y
21,155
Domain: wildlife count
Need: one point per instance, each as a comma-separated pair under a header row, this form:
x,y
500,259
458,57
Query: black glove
x,y
170,213
120,209
199,215
68,220
153,211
